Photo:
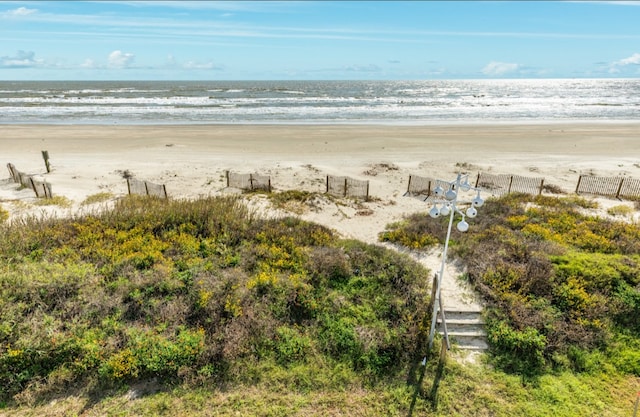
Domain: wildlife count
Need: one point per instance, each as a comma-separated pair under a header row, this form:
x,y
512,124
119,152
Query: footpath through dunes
x,y
365,221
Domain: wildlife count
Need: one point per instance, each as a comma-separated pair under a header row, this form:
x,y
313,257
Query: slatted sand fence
x,y
42,189
617,187
505,184
629,188
249,182
347,187
146,188
423,187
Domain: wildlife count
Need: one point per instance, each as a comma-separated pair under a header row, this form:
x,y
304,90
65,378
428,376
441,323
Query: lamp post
x,y
449,201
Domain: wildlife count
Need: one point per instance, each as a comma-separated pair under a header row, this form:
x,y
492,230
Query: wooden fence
x,y
146,188
347,187
248,181
423,187
617,187
42,189
505,184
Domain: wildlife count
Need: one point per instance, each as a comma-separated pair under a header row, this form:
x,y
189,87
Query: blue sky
x,y
318,40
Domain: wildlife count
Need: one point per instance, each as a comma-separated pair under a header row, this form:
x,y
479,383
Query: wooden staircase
x,y
466,329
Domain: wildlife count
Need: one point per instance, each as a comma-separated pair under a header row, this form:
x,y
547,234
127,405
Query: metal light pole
x,y
449,201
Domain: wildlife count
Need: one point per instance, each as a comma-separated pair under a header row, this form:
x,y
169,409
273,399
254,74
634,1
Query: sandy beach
x,y
191,161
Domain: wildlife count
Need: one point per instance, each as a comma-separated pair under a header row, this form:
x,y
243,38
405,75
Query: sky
x,y
318,40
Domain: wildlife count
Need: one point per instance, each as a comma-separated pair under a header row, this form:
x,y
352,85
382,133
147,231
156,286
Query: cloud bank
x,y
22,59
119,59
498,69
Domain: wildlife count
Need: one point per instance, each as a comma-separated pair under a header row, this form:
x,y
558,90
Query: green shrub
x,y
97,198
520,351
290,345
195,290
620,210
548,267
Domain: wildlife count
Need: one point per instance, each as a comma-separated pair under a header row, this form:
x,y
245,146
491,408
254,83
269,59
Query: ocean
x,y
320,102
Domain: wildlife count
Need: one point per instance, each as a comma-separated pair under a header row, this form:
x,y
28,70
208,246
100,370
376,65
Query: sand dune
x,y
191,161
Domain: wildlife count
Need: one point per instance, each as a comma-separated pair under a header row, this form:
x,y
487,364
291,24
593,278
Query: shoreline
x,y
312,141
398,123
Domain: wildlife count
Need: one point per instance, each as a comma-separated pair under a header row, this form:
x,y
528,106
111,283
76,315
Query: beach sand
x,y
191,161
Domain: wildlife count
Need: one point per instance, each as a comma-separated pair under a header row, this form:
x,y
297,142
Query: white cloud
x,y
22,59
172,62
632,60
89,64
119,59
363,68
198,65
21,11
619,66
496,69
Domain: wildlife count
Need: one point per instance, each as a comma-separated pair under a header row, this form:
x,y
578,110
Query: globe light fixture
x,y
451,203
434,212
471,212
450,194
462,226
477,201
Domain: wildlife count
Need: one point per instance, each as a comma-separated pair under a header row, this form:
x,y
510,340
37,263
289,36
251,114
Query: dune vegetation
x,y
201,307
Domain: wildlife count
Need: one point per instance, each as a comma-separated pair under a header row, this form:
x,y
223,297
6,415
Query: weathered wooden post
x,y
619,188
45,156
578,186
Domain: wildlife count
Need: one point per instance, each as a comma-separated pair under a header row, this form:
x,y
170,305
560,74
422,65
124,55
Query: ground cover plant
x,y
200,308
562,287
202,293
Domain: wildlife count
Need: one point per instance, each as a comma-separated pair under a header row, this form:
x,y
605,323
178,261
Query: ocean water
x,y
319,102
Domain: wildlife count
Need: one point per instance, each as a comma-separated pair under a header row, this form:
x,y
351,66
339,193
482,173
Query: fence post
x,y
11,172
33,185
164,189
128,186
327,190
269,183
367,190
477,179
619,188
146,189
45,156
541,187
578,186
226,173
345,186
409,186
510,182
